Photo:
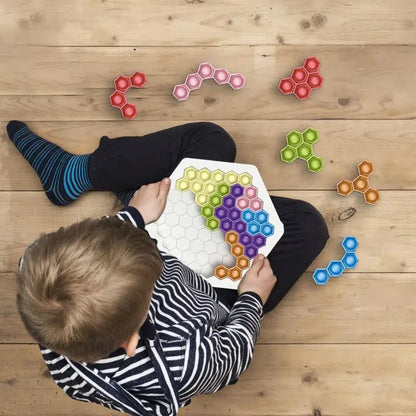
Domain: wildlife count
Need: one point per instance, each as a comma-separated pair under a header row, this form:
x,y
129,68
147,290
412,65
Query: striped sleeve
x,y
216,357
131,215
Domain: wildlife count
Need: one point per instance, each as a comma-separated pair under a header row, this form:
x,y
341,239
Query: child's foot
x,y
64,176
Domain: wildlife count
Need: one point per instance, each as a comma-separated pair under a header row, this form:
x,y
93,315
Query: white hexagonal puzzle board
x,y
218,216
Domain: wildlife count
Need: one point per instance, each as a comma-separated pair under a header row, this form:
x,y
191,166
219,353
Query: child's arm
x,y
147,204
216,357
220,355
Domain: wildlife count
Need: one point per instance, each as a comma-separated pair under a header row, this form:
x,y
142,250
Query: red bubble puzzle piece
x,y
118,98
303,80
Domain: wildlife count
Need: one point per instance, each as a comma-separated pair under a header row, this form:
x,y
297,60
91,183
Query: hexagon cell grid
x,y
207,227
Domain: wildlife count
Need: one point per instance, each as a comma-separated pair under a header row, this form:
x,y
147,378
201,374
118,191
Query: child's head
x,y
84,289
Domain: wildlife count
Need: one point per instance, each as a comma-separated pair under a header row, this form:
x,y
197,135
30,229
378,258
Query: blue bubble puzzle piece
x,y
349,260
335,268
321,276
349,244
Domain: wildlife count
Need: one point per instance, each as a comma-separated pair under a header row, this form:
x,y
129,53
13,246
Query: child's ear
x,y
131,344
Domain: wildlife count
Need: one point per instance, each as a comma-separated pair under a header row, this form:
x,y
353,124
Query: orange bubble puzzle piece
x,y
241,261
360,184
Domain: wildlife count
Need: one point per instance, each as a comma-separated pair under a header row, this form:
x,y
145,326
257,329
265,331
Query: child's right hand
x,y
150,200
259,278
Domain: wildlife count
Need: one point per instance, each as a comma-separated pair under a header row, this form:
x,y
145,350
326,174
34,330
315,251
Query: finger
x,y
164,188
258,263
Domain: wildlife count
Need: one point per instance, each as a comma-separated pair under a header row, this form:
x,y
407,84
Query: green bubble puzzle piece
x,y
300,146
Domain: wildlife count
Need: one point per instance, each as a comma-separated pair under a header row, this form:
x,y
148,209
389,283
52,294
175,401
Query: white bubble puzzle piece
x,y
218,216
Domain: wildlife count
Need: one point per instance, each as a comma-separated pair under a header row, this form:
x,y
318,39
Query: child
x,y
120,323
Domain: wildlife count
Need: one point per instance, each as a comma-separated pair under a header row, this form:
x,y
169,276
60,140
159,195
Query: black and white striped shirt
x,y
190,344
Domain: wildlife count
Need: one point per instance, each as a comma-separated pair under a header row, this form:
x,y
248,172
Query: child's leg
x,y
64,176
304,238
124,164
120,164
305,235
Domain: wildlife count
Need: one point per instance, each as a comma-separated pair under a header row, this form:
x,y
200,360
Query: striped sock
x,y
64,176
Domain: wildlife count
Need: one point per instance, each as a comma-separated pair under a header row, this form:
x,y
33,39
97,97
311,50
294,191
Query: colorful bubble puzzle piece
x,y
335,268
299,145
360,184
206,71
218,216
303,79
118,98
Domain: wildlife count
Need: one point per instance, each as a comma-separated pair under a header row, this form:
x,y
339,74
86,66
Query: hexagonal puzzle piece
x,y
300,145
360,184
336,268
302,80
205,71
118,98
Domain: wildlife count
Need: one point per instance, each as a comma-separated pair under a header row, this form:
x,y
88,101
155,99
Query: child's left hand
x,y
150,200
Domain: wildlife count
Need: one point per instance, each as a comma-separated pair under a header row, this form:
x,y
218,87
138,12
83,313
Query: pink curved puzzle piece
x,y
206,70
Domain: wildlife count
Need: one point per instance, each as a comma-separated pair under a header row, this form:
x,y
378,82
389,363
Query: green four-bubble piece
x,y
300,146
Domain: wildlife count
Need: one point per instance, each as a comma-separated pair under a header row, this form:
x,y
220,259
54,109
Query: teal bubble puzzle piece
x,y
300,146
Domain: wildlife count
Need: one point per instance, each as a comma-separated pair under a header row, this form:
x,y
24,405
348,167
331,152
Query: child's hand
x,y
259,278
150,200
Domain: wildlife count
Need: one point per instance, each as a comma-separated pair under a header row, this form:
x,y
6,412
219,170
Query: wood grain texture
x,y
340,380
342,145
207,22
390,251
357,308
348,348
359,83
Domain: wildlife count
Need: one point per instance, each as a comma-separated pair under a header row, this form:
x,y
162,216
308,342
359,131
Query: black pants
x,y
127,163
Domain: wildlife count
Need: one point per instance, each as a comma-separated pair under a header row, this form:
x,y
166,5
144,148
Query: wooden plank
x,y
342,145
367,87
200,22
342,380
380,219
345,311
386,231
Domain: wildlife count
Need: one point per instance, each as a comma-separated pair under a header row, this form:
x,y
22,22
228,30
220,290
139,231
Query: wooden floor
x,y
348,348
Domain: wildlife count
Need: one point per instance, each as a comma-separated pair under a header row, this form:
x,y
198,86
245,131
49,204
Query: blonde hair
x,y
84,289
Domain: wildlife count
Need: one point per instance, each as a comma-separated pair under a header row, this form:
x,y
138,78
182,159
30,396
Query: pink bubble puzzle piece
x,y
237,81
221,76
193,81
206,71
118,98
181,92
303,79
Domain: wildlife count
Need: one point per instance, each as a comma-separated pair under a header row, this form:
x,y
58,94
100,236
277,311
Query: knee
x,y
219,138
314,224
303,220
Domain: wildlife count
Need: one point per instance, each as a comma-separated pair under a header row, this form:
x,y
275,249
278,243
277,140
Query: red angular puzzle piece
x,y
303,79
118,98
